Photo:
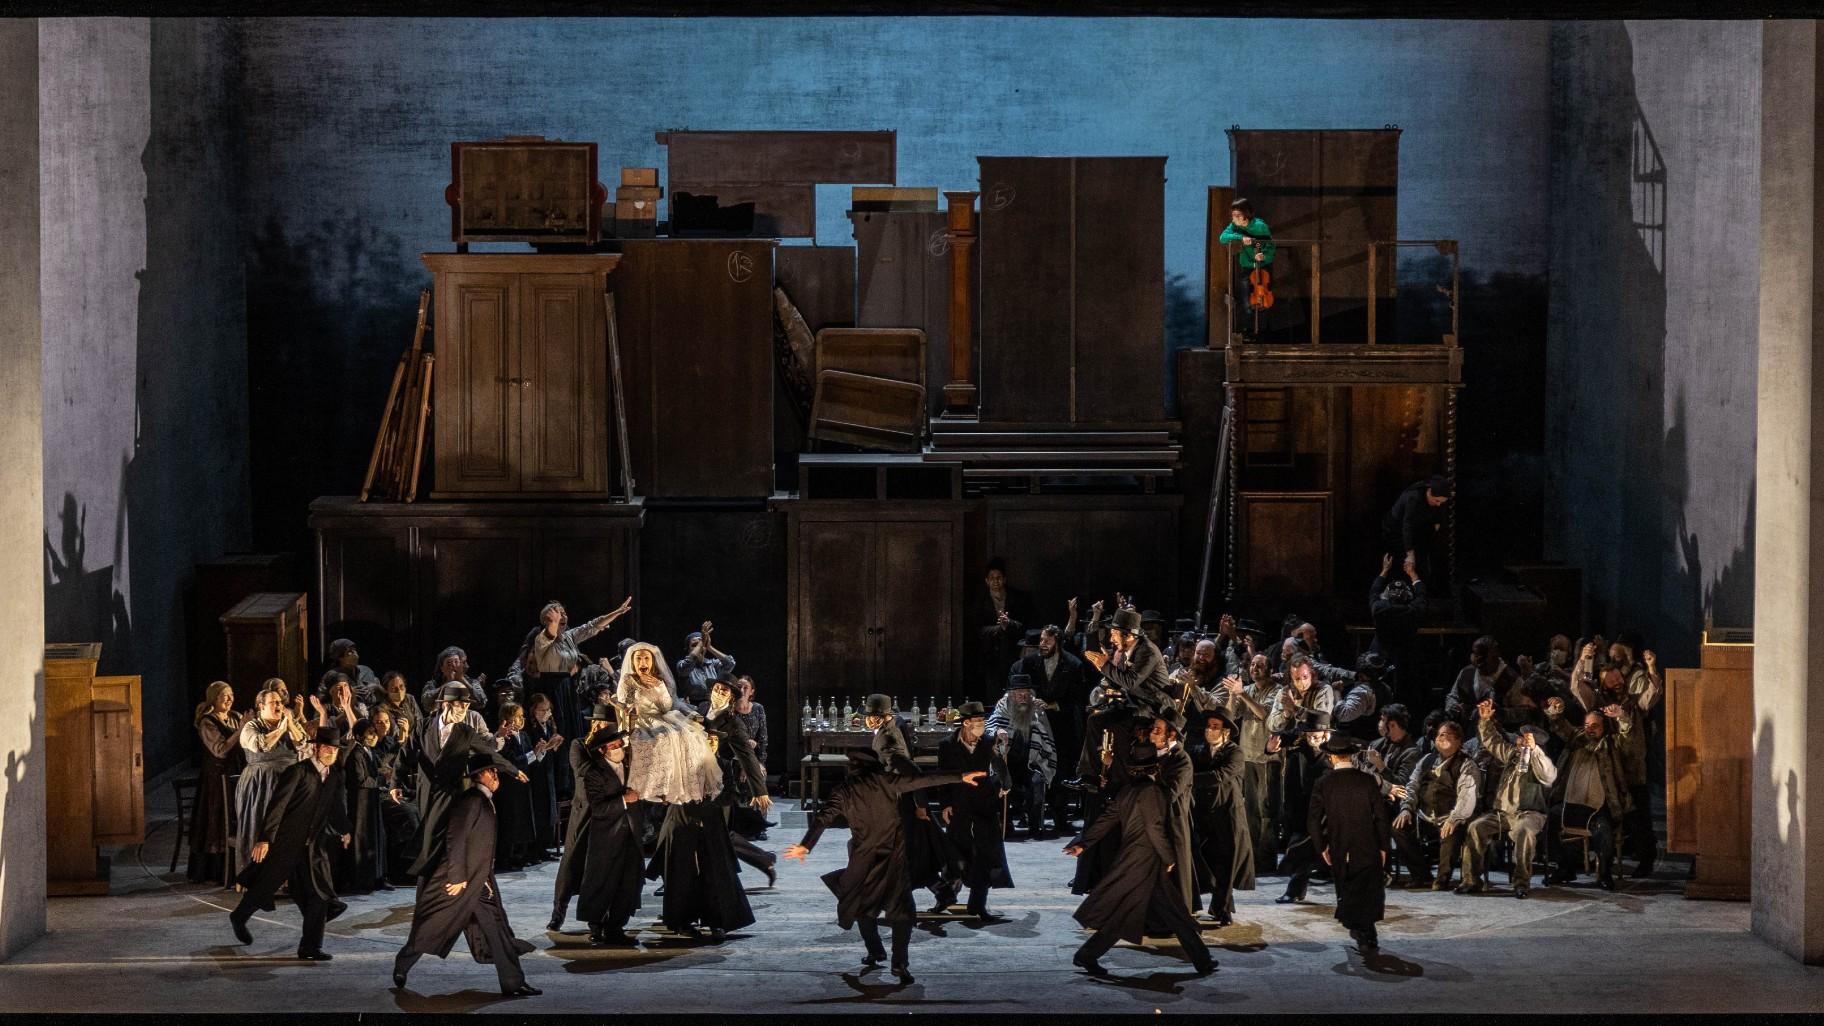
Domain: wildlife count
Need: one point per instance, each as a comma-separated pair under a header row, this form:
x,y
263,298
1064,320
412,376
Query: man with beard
x,y
1592,786
608,839
1137,895
1192,681
973,815
459,896
1134,683
1022,733
1522,797
453,668
571,869
305,824
1061,682
1248,704
876,884
448,745
1350,834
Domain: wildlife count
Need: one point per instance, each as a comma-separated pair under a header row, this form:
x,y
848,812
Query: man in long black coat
x,y
933,861
459,896
608,892
877,883
1177,776
570,868
450,743
1219,818
1137,896
1061,681
1305,764
305,825
974,816
743,775
1348,829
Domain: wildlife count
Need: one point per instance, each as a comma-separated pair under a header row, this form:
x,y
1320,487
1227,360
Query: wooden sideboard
x,y
1709,762
95,773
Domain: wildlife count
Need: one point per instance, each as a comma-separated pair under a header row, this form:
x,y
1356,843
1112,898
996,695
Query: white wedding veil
x,y
629,683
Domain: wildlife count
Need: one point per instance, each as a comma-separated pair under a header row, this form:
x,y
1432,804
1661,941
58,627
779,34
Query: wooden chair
x,y
230,846
184,789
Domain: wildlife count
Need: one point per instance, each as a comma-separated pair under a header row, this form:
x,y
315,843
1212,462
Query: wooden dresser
x,y
1709,759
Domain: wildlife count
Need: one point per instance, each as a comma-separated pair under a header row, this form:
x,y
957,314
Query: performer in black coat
x,y
609,891
975,816
570,869
448,746
1348,829
1137,896
1305,763
517,845
305,824
743,775
459,896
1219,818
546,745
877,883
1061,681
934,863
361,868
1177,776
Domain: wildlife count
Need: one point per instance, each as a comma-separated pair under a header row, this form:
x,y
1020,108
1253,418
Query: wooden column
x,y
959,393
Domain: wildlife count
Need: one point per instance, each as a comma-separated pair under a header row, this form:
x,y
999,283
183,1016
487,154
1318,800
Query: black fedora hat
x,y
1341,744
1314,721
1151,616
970,710
602,735
1204,716
1142,755
1031,637
477,763
604,711
327,736
456,691
1249,627
1016,681
1126,620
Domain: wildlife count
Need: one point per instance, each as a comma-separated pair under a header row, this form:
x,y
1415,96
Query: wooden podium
x,y
94,768
1709,756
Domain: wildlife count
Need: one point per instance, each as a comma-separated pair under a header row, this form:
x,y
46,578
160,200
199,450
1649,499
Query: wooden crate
x,y
894,353
268,634
874,413
524,190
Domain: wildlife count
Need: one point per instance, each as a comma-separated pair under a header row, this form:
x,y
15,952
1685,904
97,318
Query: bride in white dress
x,y
672,761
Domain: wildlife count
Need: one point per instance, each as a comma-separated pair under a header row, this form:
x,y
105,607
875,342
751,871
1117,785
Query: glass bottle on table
x,y
848,711
807,716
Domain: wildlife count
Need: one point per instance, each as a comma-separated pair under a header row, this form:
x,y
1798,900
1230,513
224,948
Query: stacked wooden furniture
x,y
94,768
1330,423
773,174
870,388
902,280
1710,765
268,634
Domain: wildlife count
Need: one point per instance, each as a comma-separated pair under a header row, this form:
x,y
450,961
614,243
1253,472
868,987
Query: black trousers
x,y
1182,925
491,922
302,886
1302,860
1643,845
902,938
751,853
1409,842
1254,799
1602,841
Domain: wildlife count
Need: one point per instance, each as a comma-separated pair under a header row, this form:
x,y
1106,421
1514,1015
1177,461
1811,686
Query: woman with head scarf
x,y
218,727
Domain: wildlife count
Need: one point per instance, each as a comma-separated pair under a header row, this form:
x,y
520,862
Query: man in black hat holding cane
x,y
1347,828
460,897
304,824
1137,896
608,839
876,884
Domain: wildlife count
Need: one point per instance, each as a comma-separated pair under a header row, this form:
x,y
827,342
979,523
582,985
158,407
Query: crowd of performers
x,y
1177,760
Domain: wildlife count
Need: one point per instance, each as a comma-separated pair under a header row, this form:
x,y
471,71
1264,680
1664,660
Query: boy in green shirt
x,y
1245,228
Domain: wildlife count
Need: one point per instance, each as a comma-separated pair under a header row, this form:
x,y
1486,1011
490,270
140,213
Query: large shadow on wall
x,y
1619,475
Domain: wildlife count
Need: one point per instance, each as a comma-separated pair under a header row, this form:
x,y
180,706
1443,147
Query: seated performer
x,y
1136,897
671,760
1023,732
608,839
460,897
303,827
1441,799
876,884
973,815
1522,797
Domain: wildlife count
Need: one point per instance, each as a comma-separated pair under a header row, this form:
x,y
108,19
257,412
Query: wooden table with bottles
x,y
828,748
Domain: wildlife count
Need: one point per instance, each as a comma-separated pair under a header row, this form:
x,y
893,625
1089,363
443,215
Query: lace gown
x,y
671,758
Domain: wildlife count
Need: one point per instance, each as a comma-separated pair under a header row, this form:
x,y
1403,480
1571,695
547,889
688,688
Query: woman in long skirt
x,y
218,727
273,741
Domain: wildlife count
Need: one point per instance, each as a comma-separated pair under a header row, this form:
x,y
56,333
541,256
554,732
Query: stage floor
x,y
160,944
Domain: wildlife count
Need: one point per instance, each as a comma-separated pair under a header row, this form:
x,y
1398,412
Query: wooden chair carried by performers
x,y
184,790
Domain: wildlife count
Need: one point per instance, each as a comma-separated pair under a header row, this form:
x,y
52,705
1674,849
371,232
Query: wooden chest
x,y
524,190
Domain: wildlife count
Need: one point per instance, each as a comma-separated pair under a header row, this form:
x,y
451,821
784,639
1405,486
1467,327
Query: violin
x,y
1260,297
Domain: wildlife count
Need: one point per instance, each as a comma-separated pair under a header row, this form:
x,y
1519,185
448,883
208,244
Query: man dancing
x,y
305,821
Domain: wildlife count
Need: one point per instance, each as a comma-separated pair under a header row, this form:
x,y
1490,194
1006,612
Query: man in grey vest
x,y
1521,800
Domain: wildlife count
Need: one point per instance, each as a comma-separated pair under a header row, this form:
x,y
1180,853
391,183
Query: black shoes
x,y
240,930
605,938
523,990
1606,881
1521,890
902,972
1287,899
556,923
772,875
1365,940
399,979
1088,965
318,955
1205,965
1644,870
1418,883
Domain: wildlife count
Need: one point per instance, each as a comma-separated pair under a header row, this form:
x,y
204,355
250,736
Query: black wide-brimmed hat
x,y
1249,627
1031,638
1141,756
1372,665
1313,721
327,736
864,758
1204,716
477,763
1341,744
877,705
722,680
1172,715
1184,625
604,711
456,691
1016,681
1126,620
971,709
1151,616
602,735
